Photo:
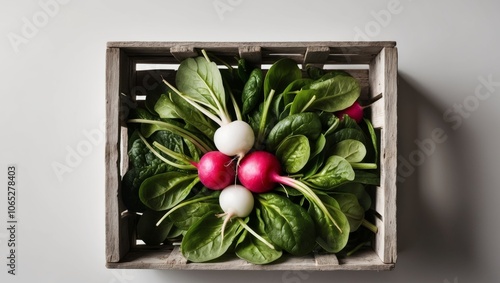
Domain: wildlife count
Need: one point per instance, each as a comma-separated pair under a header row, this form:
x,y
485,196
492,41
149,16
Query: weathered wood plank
x,y
181,51
383,79
167,258
316,56
252,54
117,242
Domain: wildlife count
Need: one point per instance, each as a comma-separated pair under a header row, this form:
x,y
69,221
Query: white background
x,y
52,80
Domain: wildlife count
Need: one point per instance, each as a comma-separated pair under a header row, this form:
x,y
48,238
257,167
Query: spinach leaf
x,y
307,124
328,236
252,91
318,146
303,101
203,241
293,153
147,230
351,150
194,117
130,190
280,75
335,172
291,90
329,122
143,164
314,72
253,250
367,178
201,80
351,208
244,70
346,134
287,224
359,191
166,108
163,191
336,93
187,215
313,166
332,74
374,139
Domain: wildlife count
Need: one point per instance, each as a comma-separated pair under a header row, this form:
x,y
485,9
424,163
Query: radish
x,y
234,139
215,170
260,171
355,111
235,201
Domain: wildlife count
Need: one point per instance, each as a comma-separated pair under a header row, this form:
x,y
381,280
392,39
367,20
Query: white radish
x,y
235,201
234,139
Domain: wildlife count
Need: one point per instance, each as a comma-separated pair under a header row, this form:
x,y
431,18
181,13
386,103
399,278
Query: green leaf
x,y
186,216
252,91
307,124
203,241
328,236
280,75
201,80
166,108
303,101
290,92
367,178
351,208
293,153
351,150
374,139
335,172
163,191
359,191
318,146
194,117
253,250
147,230
336,93
287,224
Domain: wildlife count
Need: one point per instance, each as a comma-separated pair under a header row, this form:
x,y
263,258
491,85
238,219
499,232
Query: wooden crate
x,y
373,63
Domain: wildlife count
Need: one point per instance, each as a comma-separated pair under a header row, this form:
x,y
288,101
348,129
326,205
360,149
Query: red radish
x,y
260,172
235,201
215,170
355,111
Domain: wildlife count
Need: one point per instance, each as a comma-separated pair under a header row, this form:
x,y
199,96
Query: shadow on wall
x,y
435,243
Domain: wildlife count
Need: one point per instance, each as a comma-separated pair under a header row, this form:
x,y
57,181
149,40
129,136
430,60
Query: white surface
x,y
53,92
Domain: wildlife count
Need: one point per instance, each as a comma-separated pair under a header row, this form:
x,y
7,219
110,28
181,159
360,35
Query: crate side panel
x,y
118,230
383,78
171,258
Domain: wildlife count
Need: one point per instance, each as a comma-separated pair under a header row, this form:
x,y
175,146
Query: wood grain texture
x,y
171,258
383,79
114,251
378,85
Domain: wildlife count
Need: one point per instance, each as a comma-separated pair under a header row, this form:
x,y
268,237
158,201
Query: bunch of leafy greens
x,y
292,117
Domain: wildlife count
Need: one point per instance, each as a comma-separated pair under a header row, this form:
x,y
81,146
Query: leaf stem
x,y
177,130
311,101
173,154
309,195
370,226
260,238
197,106
157,154
356,165
263,120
